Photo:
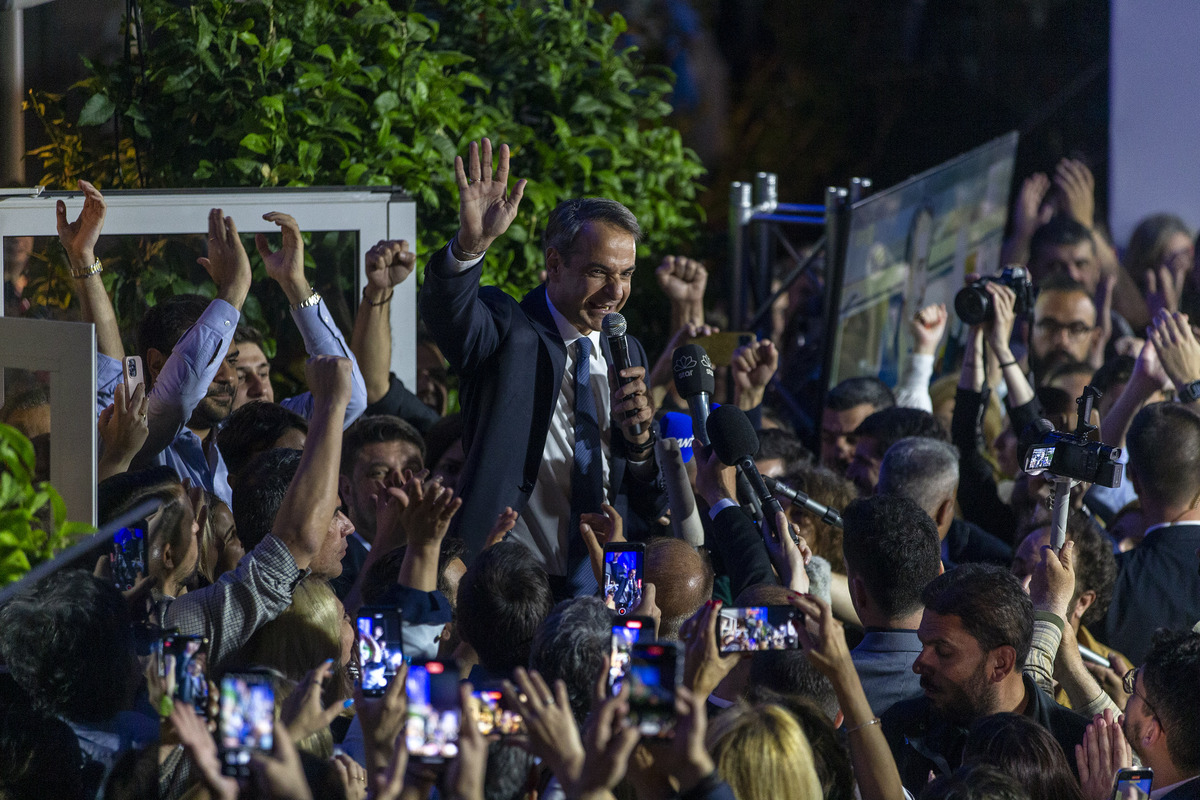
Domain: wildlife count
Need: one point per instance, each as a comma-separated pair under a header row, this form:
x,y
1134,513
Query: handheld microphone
x,y
695,382
618,346
828,515
736,442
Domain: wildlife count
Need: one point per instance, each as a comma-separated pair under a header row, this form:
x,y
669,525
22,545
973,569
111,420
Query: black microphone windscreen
x,y
693,371
613,324
732,435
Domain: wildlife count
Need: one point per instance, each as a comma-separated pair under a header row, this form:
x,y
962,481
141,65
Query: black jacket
x,y
922,740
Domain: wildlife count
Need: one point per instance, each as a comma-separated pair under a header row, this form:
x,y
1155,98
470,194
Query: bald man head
x,y
683,581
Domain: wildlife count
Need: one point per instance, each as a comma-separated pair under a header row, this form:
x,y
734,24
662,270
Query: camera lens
x,y
973,305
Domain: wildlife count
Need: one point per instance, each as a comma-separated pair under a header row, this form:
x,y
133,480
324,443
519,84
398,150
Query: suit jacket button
x,y
526,487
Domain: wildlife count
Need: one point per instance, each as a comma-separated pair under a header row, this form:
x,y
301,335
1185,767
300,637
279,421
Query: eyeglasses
x,y
1052,328
1129,684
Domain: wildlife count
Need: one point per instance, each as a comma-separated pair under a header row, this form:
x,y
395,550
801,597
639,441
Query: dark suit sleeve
x,y
465,327
400,402
740,547
977,495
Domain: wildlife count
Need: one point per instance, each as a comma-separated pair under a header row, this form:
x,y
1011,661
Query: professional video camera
x,y
1073,455
1070,458
974,305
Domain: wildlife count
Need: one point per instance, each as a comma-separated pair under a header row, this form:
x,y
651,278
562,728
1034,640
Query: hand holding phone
x,y
127,555
183,667
624,564
135,376
1133,783
434,715
625,634
655,670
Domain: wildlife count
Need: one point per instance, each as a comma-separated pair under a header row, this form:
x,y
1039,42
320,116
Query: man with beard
x,y
975,635
1064,326
191,365
1160,721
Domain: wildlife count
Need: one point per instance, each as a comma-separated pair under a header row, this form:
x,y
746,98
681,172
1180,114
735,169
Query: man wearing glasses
x,y
1162,716
1064,327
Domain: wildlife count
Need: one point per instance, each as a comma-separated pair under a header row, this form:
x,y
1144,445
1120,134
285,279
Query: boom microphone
x,y
618,346
695,382
828,515
736,442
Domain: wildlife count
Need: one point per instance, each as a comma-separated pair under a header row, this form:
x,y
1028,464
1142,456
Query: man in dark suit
x,y
548,430
1161,721
1157,585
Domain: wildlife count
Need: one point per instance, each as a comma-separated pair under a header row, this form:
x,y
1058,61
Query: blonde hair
x,y
304,636
762,753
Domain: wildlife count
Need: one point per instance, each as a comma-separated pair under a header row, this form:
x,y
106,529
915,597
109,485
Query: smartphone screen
x,y
1133,784
128,555
380,647
493,717
623,575
434,715
753,628
625,634
246,722
184,662
654,672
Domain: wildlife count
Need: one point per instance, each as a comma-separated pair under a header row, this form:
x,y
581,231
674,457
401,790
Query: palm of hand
x,y
485,206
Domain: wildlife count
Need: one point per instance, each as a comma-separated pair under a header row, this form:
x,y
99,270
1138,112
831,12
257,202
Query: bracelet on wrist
x,y
641,449
1012,363
457,251
382,302
867,724
95,269
312,300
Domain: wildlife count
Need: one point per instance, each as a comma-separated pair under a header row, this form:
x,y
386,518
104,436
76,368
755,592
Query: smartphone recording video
x,y
183,661
380,647
434,715
625,634
127,556
492,716
623,563
246,721
1133,783
654,672
753,628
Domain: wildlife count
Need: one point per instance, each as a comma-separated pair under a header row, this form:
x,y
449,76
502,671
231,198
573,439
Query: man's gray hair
x,y
922,469
569,217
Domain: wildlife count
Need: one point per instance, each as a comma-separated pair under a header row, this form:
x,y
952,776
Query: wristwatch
x,y
1190,392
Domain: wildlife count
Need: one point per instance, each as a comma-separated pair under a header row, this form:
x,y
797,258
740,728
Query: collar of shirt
x,y
1157,793
570,333
1169,525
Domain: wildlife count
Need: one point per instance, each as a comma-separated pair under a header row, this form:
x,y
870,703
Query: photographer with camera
x,y
992,312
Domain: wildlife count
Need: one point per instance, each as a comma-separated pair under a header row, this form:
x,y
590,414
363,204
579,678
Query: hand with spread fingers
x,y
485,206
1177,347
553,734
608,742
303,712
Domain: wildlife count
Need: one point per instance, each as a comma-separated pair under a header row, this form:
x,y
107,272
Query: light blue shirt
x,y
189,371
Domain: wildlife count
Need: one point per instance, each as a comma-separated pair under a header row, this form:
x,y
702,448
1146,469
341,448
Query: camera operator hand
x,y
998,333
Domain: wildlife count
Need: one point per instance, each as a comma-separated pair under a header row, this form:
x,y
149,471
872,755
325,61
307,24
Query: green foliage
x,y
33,517
329,92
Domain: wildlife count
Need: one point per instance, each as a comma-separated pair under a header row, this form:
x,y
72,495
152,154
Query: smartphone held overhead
x,y
623,570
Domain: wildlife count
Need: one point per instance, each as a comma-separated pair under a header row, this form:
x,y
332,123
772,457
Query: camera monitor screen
x,y
910,246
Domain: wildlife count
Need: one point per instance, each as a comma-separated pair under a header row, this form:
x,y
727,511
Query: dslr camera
x,y
974,305
1073,455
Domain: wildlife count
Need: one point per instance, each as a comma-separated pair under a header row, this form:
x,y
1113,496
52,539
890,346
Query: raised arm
x,y
998,332
79,239
302,522
321,337
683,280
1148,377
388,265
753,366
926,327
1026,216
184,378
485,206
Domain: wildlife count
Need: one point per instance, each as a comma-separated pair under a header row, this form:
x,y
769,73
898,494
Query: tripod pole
x,y
1062,507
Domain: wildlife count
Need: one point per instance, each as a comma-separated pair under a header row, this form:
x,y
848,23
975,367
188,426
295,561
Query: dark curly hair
x,y
69,645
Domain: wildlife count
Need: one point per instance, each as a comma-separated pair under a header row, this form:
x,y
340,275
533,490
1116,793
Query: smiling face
x,y
593,278
254,375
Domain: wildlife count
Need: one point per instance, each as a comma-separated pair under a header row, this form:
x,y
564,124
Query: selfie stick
x,y
1062,507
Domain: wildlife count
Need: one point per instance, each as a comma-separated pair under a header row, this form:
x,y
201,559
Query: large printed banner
x,y
910,246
